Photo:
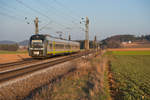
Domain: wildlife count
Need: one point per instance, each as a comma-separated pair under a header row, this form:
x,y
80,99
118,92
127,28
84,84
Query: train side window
x,y
59,46
56,46
50,45
67,46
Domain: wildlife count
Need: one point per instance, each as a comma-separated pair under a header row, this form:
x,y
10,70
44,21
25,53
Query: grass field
x,y
130,70
130,52
12,52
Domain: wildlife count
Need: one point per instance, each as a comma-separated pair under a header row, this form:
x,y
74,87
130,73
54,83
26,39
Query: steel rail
x,y
26,61
3,65
10,74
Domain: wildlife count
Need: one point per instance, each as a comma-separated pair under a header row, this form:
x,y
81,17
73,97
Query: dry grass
x,y
84,83
18,88
77,80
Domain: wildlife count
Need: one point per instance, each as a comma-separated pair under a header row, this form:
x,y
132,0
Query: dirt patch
x,y
129,49
7,58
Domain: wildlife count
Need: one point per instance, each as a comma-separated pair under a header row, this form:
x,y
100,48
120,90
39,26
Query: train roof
x,y
51,38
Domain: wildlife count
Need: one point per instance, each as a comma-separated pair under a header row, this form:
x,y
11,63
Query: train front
x,y
36,47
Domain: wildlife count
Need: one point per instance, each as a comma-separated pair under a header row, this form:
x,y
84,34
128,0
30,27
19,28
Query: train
x,y
42,46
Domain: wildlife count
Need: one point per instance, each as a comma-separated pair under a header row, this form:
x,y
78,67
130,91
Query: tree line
x,y
9,47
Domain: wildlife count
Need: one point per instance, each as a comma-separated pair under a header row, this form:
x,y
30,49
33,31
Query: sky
x,y
107,18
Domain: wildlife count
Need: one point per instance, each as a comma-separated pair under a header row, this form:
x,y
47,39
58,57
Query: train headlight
x,y
36,52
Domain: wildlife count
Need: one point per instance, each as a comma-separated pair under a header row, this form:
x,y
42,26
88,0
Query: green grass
x,y
12,52
131,75
130,52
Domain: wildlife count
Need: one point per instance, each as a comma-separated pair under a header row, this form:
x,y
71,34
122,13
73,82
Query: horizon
x,y
82,39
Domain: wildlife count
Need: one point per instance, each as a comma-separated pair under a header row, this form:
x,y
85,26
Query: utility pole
x,y
95,43
69,38
36,21
87,34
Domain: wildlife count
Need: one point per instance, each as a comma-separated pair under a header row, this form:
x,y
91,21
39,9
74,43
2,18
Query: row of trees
x,y
9,47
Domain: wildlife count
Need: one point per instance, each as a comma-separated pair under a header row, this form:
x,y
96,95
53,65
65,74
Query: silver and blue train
x,y
41,46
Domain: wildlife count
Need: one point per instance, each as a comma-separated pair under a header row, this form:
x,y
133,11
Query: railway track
x,y
25,61
13,73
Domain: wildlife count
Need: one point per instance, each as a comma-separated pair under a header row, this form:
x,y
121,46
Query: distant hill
x,y
117,41
22,43
7,42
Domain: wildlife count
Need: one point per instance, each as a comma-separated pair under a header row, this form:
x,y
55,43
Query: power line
x,y
11,16
11,8
64,6
55,12
69,11
37,11
62,13
10,11
45,26
27,6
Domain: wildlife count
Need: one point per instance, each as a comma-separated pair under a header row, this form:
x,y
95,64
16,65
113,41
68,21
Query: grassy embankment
x,y
12,52
129,75
87,82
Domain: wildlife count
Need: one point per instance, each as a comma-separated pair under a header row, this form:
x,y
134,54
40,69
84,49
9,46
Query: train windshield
x,y
37,43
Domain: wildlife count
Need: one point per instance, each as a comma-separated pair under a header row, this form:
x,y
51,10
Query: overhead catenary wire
x,y
55,12
10,11
11,16
37,11
69,11
67,8
67,15
18,17
14,10
45,26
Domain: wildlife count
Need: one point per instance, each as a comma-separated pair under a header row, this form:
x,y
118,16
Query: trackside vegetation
x,y
130,74
87,82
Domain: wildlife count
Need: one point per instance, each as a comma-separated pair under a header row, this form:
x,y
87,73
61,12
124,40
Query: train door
x,y
45,43
53,47
50,47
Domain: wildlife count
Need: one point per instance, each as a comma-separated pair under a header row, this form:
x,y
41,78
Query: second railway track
x,y
13,73
24,62
29,60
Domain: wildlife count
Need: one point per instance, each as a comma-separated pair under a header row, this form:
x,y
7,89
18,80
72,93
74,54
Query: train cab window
x,y
37,43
